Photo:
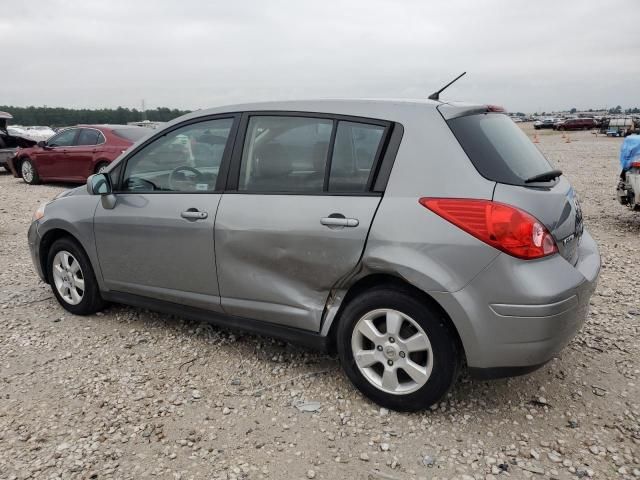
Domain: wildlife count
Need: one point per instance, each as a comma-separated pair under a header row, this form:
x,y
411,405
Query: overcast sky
x,y
525,55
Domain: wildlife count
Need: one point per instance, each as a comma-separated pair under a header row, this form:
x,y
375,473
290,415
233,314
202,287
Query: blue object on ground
x,y
630,151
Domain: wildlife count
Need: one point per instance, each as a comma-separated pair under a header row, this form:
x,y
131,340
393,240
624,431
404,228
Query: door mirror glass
x,y
99,184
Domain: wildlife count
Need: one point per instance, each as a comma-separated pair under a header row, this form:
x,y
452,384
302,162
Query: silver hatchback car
x,y
409,237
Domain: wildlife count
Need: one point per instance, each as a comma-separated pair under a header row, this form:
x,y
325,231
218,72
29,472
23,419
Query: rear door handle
x,y
339,222
193,214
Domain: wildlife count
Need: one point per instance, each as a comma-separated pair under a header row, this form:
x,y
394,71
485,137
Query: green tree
x,y
62,117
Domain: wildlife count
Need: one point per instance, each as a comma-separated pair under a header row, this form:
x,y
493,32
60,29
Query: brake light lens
x,y
502,226
635,164
495,109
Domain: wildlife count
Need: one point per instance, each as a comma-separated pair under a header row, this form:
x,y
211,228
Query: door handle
x,y
340,221
193,214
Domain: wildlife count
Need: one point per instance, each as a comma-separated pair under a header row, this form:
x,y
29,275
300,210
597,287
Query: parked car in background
x,y
621,127
575,124
11,138
544,123
409,237
73,154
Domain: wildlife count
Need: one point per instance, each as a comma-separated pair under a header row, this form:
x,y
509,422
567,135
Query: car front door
x,y
78,164
51,158
158,240
295,217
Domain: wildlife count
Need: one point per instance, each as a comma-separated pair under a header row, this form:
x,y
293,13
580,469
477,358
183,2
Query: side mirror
x,y
99,184
42,144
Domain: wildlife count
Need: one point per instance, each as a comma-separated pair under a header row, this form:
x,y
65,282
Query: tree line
x,y
60,117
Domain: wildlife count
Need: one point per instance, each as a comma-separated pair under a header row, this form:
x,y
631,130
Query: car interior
x,y
186,161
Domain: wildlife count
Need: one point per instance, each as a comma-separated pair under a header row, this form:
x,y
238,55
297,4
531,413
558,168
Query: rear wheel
x,y
72,279
396,349
28,172
101,167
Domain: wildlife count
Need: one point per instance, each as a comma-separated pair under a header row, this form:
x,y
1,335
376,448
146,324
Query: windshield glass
x,y
498,148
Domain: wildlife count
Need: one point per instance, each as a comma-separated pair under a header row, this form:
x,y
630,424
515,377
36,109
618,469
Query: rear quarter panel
x,y
412,242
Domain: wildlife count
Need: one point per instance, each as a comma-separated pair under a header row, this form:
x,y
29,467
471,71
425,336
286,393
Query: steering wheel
x,y
199,178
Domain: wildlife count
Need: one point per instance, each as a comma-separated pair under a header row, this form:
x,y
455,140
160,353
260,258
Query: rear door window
x,y
89,136
354,153
285,154
498,148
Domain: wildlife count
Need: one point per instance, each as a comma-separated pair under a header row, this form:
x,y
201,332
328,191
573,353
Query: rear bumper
x,y
516,316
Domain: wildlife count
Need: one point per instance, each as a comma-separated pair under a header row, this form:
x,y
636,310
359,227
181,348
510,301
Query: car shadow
x,y
299,362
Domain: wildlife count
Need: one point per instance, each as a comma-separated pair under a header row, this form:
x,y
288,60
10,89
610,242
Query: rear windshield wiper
x,y
544,177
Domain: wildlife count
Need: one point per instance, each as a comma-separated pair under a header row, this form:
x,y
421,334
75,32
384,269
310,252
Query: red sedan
x,y
74,153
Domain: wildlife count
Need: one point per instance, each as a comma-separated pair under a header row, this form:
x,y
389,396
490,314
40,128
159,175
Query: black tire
x,y
100,165
91,300
33,179
445,355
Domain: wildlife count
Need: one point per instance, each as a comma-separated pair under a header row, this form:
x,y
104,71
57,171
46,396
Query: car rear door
x,y
50,160
295,216
158,239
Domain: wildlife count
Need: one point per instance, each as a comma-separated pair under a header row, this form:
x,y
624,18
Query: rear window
x,y
133,134
498,148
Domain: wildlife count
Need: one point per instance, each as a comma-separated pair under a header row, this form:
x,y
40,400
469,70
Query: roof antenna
x,y
436,95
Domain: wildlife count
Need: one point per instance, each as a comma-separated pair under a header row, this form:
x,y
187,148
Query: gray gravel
x,y
134,394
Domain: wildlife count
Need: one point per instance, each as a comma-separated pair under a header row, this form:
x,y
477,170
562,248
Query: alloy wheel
x,y
68,277
27,171
392,351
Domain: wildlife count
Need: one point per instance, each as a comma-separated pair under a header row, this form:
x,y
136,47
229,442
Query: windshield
x,y
133,134
498,148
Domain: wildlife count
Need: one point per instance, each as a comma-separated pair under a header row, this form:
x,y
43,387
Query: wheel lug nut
x,y
391,339
402,354
390,363
379,348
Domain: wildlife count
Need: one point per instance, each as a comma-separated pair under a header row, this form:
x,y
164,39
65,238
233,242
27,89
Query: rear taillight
x,y
502,226
635,164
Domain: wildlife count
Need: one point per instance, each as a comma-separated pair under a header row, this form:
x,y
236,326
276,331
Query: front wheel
x,y
72,279
28,172
397,349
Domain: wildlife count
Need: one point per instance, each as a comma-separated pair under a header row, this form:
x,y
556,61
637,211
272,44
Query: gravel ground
x,y
134,394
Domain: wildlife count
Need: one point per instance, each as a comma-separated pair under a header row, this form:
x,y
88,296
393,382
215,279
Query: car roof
x,y
384,108
379,108
105,125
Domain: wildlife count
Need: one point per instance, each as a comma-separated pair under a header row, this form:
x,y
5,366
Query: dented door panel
x,y
276,259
